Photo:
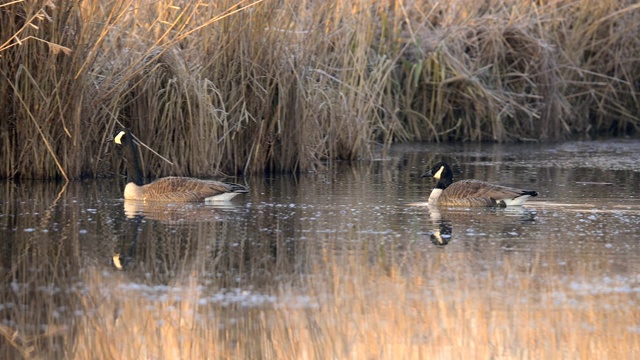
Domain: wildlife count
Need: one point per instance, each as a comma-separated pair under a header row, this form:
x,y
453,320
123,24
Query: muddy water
x,y
587,216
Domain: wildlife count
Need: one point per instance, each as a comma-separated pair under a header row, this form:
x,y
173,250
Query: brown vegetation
x,y
282,85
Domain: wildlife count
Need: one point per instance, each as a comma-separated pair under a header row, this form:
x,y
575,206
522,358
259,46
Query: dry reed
x,y
285,85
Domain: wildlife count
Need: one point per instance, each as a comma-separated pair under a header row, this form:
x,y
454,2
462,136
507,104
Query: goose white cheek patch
x,y
118,138
439,173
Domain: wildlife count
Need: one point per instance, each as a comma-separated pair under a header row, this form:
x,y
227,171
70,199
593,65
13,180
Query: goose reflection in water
x,y
442,235
122,260
166,224
442,221
176,212
442,229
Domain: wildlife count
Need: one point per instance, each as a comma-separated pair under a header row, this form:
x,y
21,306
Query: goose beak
x,y
427,174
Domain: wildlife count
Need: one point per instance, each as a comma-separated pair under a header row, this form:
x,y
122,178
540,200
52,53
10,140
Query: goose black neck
x,y
134,163
443,183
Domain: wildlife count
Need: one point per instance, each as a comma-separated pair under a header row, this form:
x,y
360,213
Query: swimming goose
x,y
170,188
472,192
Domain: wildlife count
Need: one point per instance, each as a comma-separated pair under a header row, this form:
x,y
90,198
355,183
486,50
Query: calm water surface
x,y
587,216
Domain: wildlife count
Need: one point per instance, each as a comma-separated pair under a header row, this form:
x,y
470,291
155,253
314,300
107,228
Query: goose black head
x,y
122,136
441,172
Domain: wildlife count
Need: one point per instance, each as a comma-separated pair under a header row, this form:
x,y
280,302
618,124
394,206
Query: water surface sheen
x,y
584,226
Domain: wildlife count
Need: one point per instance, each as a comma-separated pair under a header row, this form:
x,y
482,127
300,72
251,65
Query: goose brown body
x,y
472,193
172,188
477,193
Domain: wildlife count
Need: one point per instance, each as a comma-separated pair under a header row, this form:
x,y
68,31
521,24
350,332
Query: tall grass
x,y
284,85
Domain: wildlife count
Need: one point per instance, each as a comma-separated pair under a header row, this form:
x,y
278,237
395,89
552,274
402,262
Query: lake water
x,y
582,233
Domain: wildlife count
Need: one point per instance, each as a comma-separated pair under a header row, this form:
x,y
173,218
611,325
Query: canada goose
x,y
472,192
170,188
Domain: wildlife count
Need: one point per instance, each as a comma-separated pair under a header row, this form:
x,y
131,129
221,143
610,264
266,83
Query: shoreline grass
x,y
241,87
